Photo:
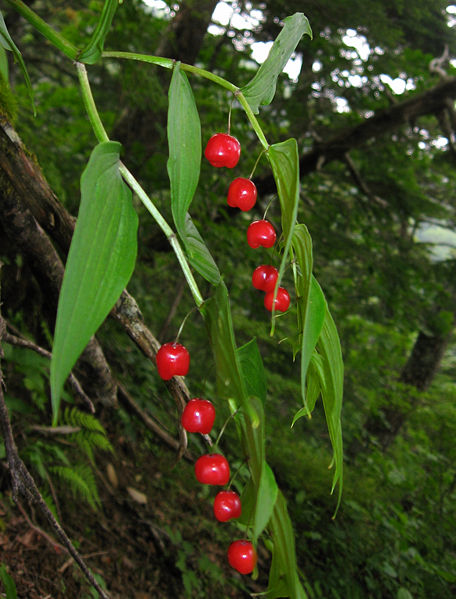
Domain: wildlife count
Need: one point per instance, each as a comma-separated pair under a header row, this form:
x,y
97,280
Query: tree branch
x,y
383,122
19,341
24,484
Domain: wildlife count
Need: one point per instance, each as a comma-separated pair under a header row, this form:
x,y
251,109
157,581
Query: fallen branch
x,y
24,484
20,341
150,423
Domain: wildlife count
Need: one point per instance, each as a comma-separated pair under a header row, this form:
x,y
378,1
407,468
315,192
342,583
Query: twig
x,y
24,484
127,312
55,430
40,531
361,183
151,423
20,341
172,310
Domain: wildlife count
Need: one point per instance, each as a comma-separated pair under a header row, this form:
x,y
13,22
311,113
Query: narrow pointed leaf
x,y
198,254
265,500
217,315
261,89
4,71
311,302
184,163
284,575
332,390
232,383
94,49
100,261
314,384
7,42
253,370
284,161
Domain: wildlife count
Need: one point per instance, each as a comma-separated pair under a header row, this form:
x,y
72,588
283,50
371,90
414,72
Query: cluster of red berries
x,y
173,358
213,468
225,150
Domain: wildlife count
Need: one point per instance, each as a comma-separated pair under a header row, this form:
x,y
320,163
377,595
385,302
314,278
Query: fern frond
x,y
75,417
91,435
81,481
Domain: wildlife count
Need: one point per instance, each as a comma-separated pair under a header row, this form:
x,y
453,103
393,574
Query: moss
x,y
8,102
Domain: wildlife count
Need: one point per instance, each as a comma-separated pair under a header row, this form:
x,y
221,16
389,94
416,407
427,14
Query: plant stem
x,y
171,236
168,63
252,118
102,136
89,103
49,33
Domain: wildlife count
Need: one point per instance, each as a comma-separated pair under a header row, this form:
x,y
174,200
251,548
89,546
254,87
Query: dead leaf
x,y
137,495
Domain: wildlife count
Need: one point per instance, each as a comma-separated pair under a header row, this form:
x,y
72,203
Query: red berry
x,y
282,301
261,232
242,556
242,194
264,277
172,359
223,150
212,469
198,416
227,505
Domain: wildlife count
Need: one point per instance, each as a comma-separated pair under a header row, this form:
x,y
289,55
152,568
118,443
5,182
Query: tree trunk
x,y
23,193
418,372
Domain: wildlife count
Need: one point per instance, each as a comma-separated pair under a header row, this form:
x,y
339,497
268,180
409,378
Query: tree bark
x,y
184,36
23,189
418,372
182,41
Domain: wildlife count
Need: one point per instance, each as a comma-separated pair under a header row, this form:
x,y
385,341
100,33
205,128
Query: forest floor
x,y
153,538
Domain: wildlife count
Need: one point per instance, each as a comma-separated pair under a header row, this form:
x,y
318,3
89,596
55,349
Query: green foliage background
x,y
393,536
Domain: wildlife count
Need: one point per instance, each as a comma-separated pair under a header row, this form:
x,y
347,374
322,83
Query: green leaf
x,y
314,384
284,161
315,380
7,42
261,89
311,302
8,583
94,49
253,370
100,261
184,140
314,317
198,254
266,497
248,502
332,392
231,380
262,489
217,315
4,71
283,575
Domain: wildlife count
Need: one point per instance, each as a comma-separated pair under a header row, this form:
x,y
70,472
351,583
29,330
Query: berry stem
x,y
229,117
256,164
267,209
183,324
225,424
